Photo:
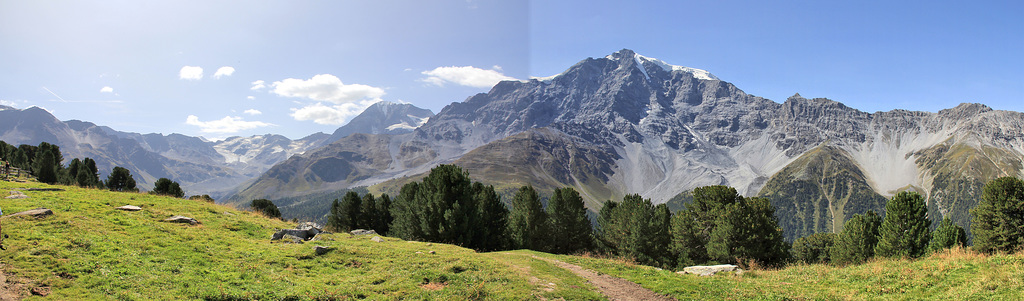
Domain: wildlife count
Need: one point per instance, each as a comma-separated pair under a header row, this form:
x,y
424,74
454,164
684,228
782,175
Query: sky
x,y
238,68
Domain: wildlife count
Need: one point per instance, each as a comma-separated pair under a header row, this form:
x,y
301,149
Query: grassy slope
x,y
951,275
89,250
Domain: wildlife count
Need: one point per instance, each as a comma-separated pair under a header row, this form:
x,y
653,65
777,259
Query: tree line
x,y
45,163
717,226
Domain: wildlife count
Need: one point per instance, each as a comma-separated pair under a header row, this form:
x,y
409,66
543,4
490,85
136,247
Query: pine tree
x,y
748,230
904,230
165,186
492,221
856,243
120,179
692,227
367,213
94,173
349,213
637,229
947,235
997,222
383,221
46,170
407,214
527,220
814,248
570,230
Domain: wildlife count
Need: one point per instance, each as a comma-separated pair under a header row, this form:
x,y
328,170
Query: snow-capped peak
x,y
697,73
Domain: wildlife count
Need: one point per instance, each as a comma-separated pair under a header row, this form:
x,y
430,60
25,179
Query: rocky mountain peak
x,y
965,111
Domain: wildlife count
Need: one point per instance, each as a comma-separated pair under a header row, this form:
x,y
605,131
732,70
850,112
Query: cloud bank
x,y
224,71
325,87
465,76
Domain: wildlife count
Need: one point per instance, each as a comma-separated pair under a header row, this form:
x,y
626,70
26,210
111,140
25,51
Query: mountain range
x,y
624,124
201,166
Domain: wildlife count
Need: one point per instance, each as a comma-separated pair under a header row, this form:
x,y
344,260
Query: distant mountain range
x,y
199,165
608,126
626,123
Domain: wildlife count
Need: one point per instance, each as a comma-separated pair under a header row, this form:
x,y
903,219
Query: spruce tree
x,y
692,226
569,229
947,235
997,222
856,243
527,220
904,230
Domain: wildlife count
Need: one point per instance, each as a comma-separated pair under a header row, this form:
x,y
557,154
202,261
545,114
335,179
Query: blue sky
x,y
296,68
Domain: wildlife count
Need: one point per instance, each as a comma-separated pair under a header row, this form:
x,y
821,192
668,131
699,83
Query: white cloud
x,y
191,73
250,97
227,124
107,89
465,76
257,85
331,115
253,112
326,87
7,103
224,71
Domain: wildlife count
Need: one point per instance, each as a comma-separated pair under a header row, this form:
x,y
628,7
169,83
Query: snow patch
x,y
400,126
640,65
697,73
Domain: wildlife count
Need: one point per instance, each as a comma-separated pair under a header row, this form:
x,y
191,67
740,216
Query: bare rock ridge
x,y
626,123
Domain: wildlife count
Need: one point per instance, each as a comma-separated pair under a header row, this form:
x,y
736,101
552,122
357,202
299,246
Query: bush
x,y
266,207
814,248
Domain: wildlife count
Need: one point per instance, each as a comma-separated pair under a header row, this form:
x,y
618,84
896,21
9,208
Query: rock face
x,y
710,270
626,123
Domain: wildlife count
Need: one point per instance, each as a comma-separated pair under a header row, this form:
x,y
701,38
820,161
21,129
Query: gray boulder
x,y
182,219
129,208
17,195
377,239
304,231
37,213
363,232
708,270
321,250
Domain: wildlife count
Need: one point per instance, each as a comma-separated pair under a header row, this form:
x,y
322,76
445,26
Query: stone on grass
x,y
182,219
304,231
129,208
16,195
377,239
708,270
321,250
37,213
363,232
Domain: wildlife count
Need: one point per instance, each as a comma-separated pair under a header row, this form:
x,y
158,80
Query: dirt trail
x,y
613,287
9,291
